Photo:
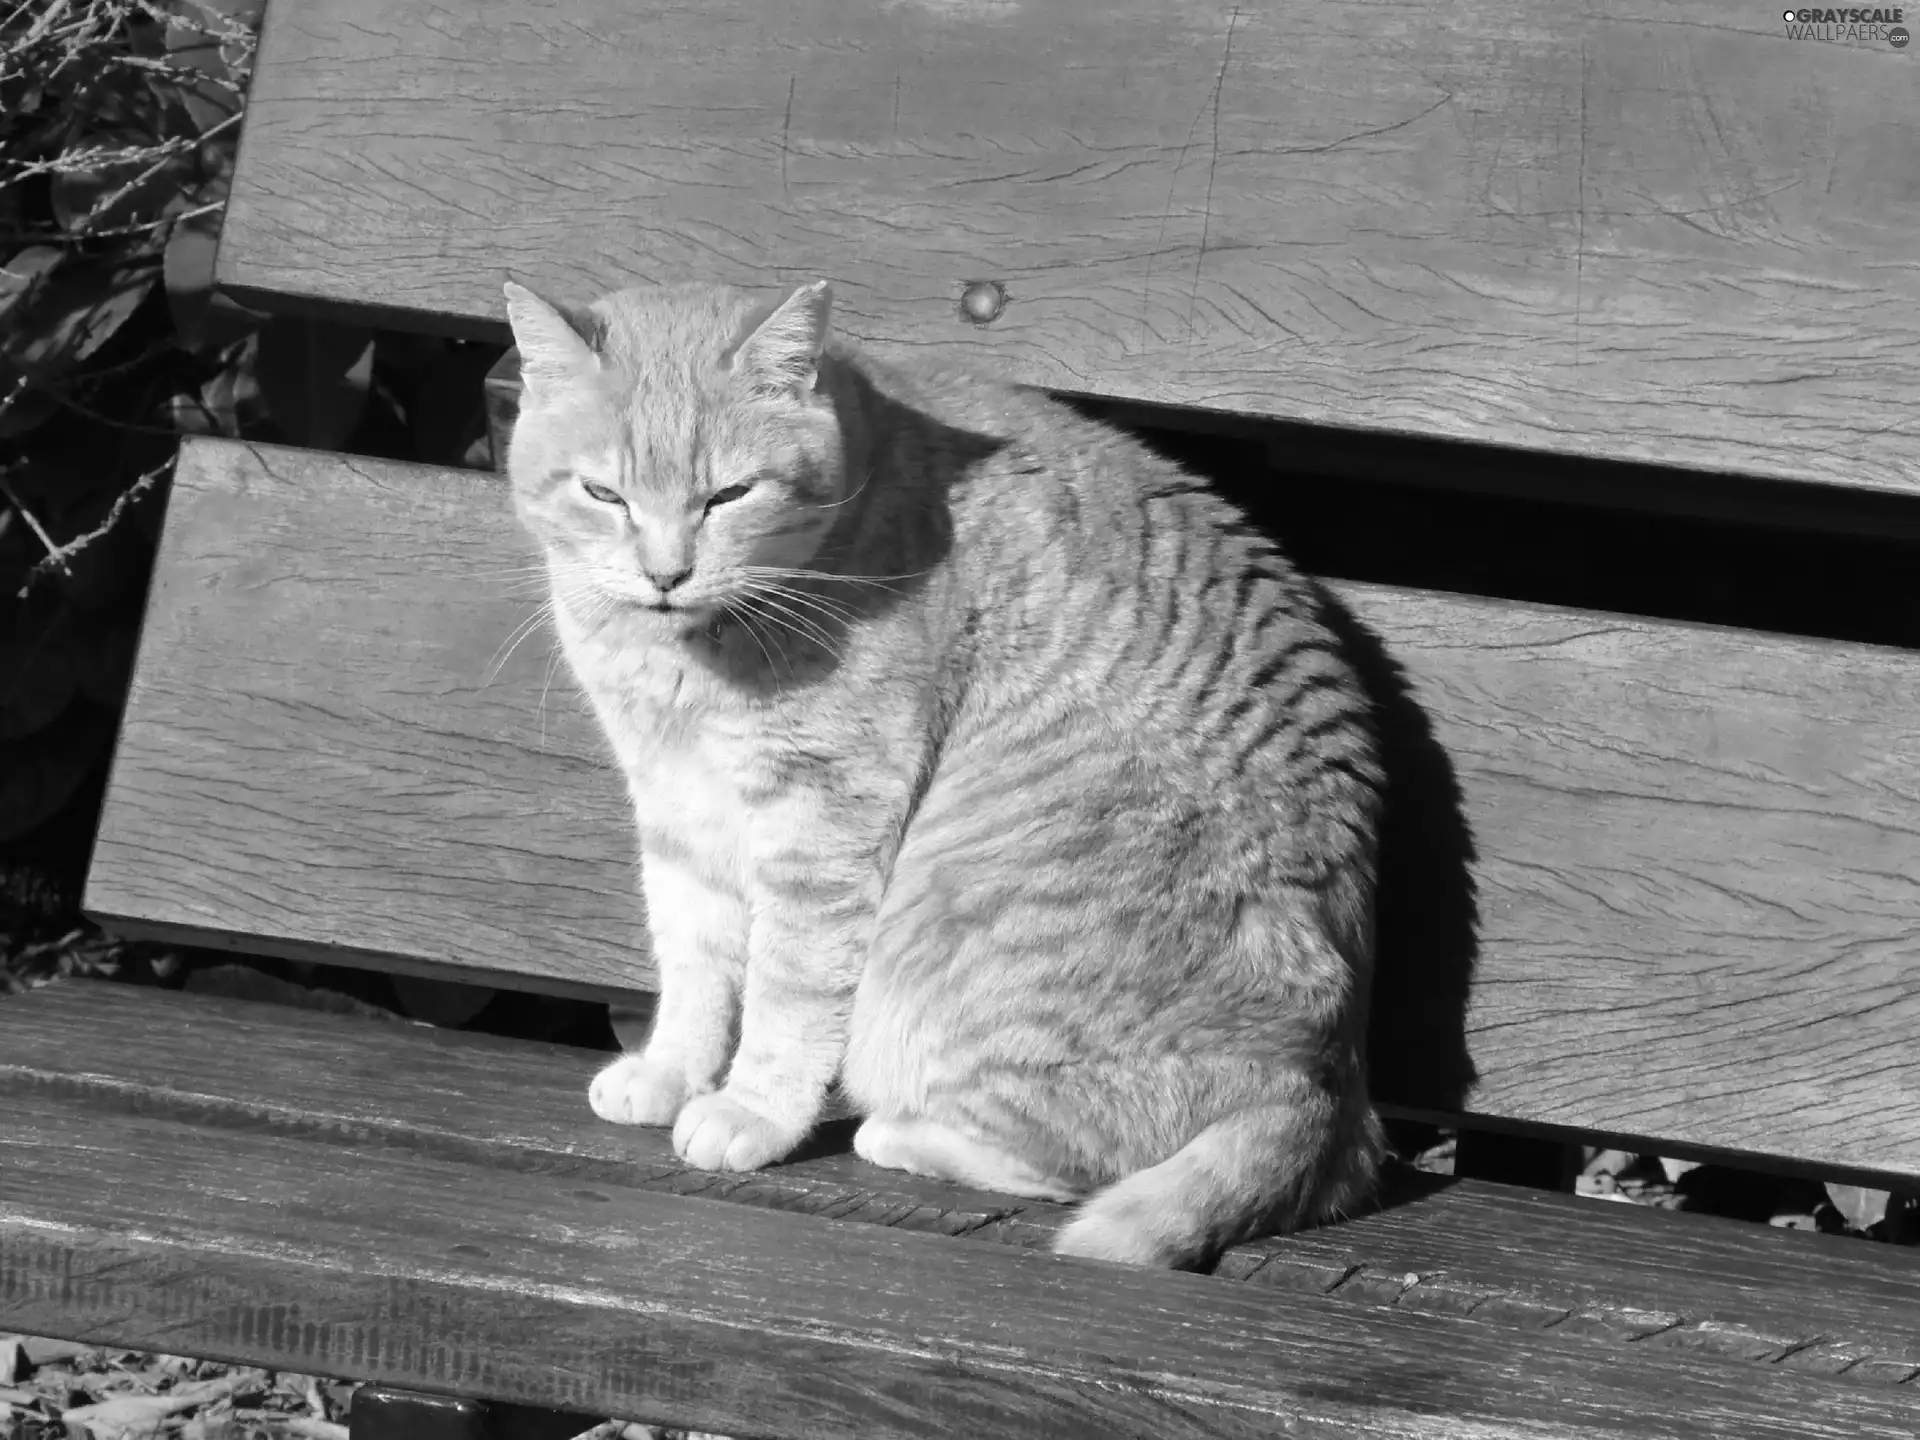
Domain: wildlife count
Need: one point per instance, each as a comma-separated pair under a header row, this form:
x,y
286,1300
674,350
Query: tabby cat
x,y
983,762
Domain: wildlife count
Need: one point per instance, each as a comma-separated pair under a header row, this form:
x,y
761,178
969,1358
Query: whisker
x,y
745,618
833,610
524,589
553,663
547,610
848,499
842,607
765,633
599,604
797,622
528,576
504,652
773,611
532,567
786,573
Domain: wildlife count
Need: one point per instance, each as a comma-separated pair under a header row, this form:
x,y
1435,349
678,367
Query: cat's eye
x,y
721,497
602,493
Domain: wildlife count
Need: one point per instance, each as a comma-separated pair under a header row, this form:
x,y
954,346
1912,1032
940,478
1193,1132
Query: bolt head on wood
x,y
982,301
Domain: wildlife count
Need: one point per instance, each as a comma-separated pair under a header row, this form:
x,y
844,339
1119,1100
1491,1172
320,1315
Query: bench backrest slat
x,y
1697,861
1675,235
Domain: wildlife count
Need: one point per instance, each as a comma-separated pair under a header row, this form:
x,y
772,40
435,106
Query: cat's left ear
x,y
552,352
782,355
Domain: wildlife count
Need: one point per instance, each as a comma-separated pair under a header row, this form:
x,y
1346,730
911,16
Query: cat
x,y
983,763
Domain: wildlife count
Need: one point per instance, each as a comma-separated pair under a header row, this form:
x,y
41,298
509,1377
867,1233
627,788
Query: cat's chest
x,y
683,762
687,802
647,696
684,742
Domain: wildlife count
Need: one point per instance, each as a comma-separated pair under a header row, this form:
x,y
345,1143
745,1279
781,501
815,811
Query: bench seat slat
x,y
1694,854
1503,1253
372,1260
1666,233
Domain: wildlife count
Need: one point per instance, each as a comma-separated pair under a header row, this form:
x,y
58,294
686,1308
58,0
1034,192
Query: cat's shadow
x,y
1427,914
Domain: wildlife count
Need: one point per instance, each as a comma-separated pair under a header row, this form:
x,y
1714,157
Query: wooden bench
x,y
1648,883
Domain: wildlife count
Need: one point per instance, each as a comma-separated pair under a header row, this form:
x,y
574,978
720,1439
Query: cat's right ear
x,y
781,355
552,352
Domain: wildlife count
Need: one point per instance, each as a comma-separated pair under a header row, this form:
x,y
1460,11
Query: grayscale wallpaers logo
x,y
1850,24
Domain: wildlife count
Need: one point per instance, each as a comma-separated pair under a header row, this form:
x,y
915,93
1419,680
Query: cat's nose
x,y
665,580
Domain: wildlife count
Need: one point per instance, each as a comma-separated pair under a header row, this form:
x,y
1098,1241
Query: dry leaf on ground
x,y
126,1417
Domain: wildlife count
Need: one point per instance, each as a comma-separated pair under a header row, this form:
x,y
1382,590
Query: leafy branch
x,y
119,123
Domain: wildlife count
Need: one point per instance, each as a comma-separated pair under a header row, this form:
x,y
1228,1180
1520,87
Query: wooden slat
x,y
1655,231
374,1260
1694,854
383,1265
1613,1274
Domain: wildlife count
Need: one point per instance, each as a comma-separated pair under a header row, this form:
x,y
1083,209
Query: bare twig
x,y
138,227
13,396
72,52
60,555
44,25
185,74
13,499
15,13
63,34
77,162
105,204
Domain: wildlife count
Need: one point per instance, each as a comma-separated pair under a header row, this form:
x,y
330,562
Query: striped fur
x,y
1020,789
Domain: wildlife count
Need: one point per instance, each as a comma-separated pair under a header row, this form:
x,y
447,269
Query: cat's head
x,y
674,440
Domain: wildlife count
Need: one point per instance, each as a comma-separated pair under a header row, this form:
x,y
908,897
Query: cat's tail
x,y
1266,1168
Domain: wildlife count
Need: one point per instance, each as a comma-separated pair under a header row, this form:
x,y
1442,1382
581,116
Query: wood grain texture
x,y
1694,854
1697,872
1610,1273
374,1260
315,668
1644,230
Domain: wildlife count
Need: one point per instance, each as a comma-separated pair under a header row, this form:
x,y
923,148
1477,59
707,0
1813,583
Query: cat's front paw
x,y
718,1132
634,1090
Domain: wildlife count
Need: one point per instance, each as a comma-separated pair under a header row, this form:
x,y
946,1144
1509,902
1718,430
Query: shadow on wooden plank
x,y
1427,921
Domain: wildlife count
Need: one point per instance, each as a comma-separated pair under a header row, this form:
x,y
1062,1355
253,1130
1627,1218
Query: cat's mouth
x,y
668,607
656,603
691,614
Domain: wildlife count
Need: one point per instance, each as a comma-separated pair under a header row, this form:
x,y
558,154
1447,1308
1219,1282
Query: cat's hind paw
x,y
926,1147
717,1132
634,1090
